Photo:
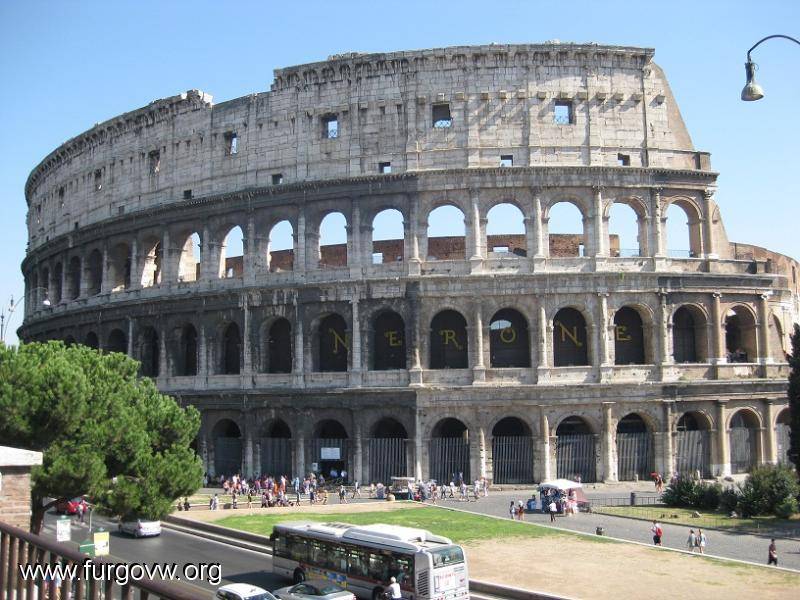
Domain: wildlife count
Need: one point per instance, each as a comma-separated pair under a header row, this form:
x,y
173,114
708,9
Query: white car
x,y
318,590
243,591
140,528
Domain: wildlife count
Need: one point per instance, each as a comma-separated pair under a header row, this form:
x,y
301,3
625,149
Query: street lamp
x,y
5,314
752,91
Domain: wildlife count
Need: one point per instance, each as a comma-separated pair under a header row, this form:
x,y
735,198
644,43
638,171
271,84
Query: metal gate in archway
x,y
782,438
387,459
276,456
575,455
693,452
634,455
448,458
742,449
228,456
512,459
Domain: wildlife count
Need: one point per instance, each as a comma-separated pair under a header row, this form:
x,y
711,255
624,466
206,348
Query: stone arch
x,y
512,451
185,359
448,341
505,230
280,247
630,345
94,272
741,334
333,251
388,236
782,436
69,341
690,236
631,234
509,340
74,278
388,341
153,263
227,439
58,282
117,342
332,341
149,352
635,454
275,445
45,278
449,451
331,448
119,267
576,443
277,347
565,233
387,453
693,444
231,253
777,339
689,334
191,258
570,338
744,432
446,232
230,349
91,340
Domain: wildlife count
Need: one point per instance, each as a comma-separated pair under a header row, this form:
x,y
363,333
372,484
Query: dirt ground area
x,y
585,569
210,516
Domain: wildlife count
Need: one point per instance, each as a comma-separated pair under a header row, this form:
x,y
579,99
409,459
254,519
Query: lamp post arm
x,y
769,37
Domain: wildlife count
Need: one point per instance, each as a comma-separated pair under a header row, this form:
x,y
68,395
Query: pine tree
x,y
794,400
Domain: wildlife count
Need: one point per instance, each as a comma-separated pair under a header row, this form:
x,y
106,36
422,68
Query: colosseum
x,y
512,354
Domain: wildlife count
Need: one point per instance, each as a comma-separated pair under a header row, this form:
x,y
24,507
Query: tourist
x,y
356,489
691,542
463,491
657,532
701,541
394,589
342,495
553,508
520,511
476,489
772,553
512,510
233,500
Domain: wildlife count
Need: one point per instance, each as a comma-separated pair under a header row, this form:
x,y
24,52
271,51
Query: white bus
x,y
364,558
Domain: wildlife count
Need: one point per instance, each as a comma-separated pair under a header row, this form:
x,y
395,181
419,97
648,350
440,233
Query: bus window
x,y
318,554
281,546
402,567
447,556
379,567
337,559
358,564
298,549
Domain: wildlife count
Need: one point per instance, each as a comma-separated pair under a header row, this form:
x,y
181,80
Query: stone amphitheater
x,y
516,356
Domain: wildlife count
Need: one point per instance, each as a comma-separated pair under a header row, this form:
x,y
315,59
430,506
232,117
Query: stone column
x,y
478,369
202,352
105,280
540,244
204,455
248,455
717,334
482,453
607,444
544,331
415,372
545,471
478,243
723,466
298,369
657,224
709,243
249,251
169,264
136,268
247,354
257,458
212,466
605,326
163,362
207,270
419,457
414,262
299,258
668,457
770,438
355,250
355,350
600,242
662,332
358,467
765,355
130,337
300,456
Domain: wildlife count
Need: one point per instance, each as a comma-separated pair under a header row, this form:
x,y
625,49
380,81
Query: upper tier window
x,y
563,113
231,143
330,127
441,116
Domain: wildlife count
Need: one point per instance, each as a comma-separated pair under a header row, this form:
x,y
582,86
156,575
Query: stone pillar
x,y
540,244
300,456
765,354
478,243
299,251
657,224
709,243
355,346
478,369
204,455
130,337
136,268
248,455
668,458
249,250
212,466
717,333
607,444
415,372
419,457
482,453
605,326
298,369
545,331
105,280
358,466
723,459
663,330
770,438
257,458
355,251
600,242
163,363
202,352
247,354
414,262
169,262
545,470
207,270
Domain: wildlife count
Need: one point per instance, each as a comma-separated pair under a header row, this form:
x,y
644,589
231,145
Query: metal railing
x,y
19,548
632,500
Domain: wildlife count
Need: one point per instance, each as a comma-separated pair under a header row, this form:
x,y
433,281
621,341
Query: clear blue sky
x,y
67,65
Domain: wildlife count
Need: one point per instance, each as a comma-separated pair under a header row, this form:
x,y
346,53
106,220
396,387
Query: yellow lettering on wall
x,y
508,335
339,342
448,336
572,335
622,333
393,338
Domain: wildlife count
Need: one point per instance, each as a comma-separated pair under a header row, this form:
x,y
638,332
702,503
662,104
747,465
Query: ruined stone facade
x,y
516,357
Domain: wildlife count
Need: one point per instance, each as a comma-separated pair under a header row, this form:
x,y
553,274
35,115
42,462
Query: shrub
x,y
766,488
786,509
728,500
681,492
709,496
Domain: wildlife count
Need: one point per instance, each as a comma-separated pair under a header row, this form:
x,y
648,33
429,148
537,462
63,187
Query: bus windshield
x,y
450,555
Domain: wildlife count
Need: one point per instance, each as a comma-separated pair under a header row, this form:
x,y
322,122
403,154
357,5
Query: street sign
x,y
86,547
63,529
101,542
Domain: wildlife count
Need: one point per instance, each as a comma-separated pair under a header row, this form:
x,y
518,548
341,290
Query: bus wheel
x,y
378,593
299,576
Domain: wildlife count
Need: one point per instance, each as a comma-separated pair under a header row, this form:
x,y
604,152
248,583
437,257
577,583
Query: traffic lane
x,y
238,565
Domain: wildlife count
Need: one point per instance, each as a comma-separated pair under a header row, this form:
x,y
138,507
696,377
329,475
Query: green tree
x,y
104,432
794,400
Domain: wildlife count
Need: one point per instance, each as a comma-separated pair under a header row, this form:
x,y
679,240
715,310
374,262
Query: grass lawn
x,y
459,527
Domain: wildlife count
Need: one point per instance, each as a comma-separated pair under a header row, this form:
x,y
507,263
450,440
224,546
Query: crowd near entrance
x,y
329,449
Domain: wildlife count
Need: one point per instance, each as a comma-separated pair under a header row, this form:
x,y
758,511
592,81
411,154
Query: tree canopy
x,y
104,431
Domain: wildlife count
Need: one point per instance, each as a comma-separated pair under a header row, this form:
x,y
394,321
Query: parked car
x,y
140,527
309,590
70,507
243,591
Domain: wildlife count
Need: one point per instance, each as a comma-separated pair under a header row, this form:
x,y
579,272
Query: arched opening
x,y
446,234
117,342
744,441
689,335
682,231
58,278
69,341
575,450
333,240
91,340
782,436
149,352
570,339
448,342
625,231
505,231
330,449
153,262
387,451
693,445
388,342
628,337
388,237
46,287
276,449
278,350
191,259
777,342
186,359
634,449
509,345
449,452
119,267
94,272
74,278
280,252
512,451
565,229
740,335
334,343
227,448
231,362
231,254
